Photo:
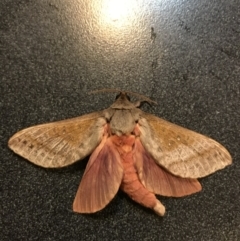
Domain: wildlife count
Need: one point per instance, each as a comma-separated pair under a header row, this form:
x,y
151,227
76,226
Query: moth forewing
x,y
182,152
60,143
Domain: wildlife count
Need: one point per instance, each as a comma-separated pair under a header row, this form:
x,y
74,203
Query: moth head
x,y
123,100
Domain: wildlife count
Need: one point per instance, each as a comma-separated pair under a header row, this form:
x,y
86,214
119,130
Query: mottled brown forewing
x,y
181,151
61,143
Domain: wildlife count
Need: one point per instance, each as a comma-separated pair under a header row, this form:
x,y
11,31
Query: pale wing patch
x,y
159,181
61,143
101,179
182,152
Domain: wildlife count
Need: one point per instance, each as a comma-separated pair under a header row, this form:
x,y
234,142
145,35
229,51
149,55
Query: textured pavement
x,y
183,54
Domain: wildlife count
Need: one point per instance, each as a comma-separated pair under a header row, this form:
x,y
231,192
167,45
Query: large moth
x,y
135,151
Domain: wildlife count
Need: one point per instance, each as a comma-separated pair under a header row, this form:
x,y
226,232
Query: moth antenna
x,y
143,97
105,90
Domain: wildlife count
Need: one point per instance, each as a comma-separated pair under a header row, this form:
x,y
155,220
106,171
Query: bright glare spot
x,y
117,9
118,12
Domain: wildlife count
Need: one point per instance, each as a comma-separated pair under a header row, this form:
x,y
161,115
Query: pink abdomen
x,y
132,185
130,182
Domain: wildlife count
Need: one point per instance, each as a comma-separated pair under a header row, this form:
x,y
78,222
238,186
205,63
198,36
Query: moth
x,y
131,150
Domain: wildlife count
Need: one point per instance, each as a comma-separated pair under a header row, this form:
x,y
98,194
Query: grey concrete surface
x,y
183,54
